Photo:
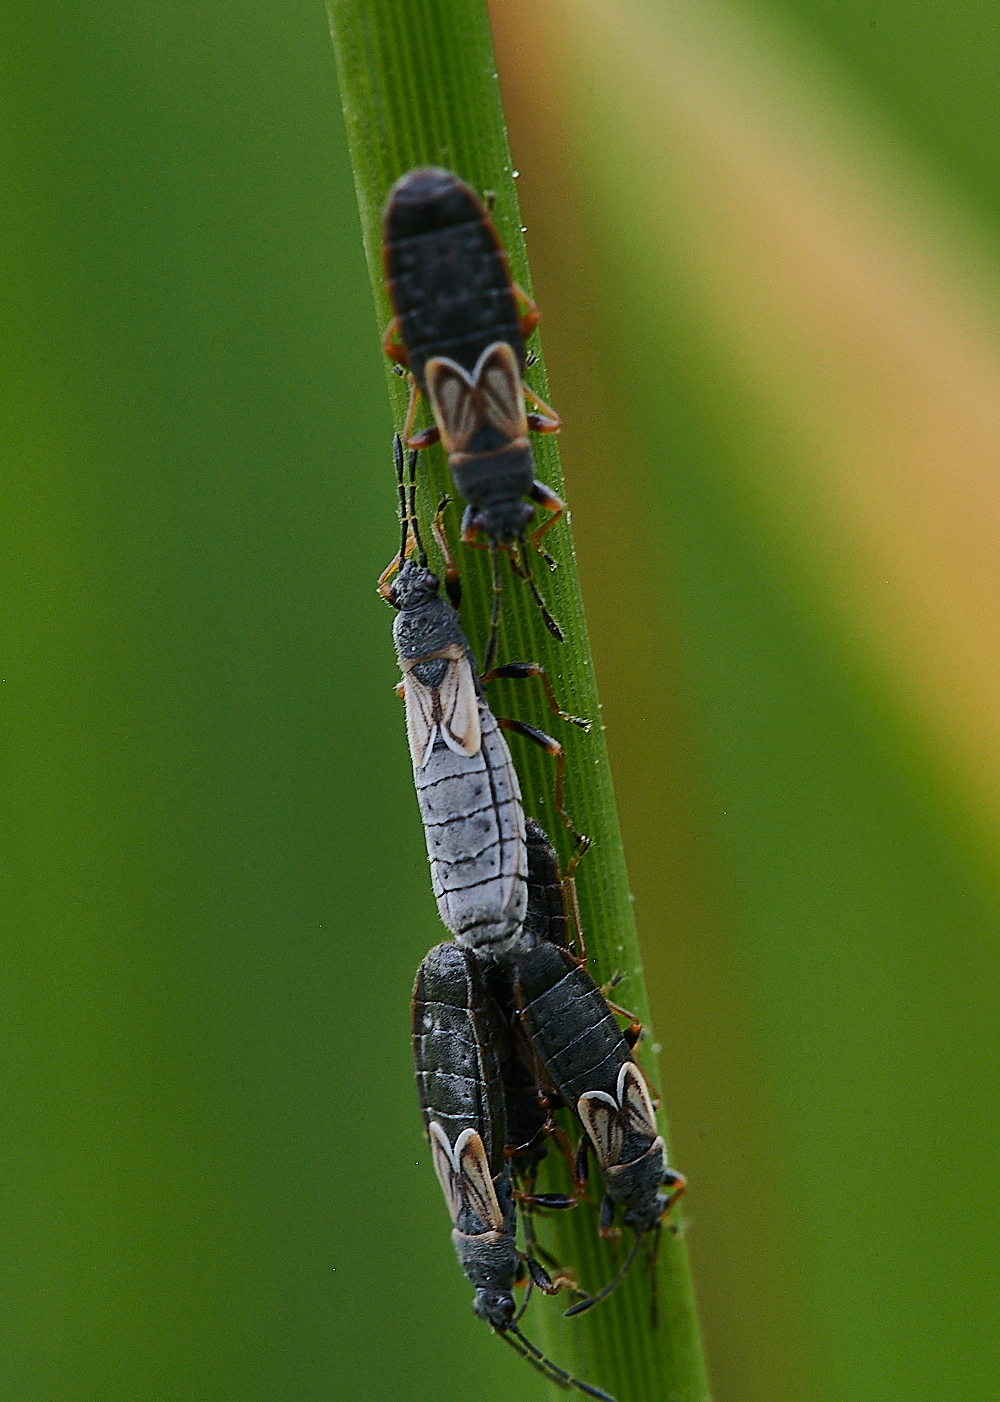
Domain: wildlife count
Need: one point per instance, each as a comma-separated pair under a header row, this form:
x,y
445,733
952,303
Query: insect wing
x,y
421,728
477,1184
634,1097
602,1121
446,1170
460,709
454,402
498,381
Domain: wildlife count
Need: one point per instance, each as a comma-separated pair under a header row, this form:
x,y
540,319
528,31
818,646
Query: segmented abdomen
x,y
455,1039
569,1022
474,824
446,273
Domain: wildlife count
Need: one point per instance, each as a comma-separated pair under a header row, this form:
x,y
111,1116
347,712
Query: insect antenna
x,y
612,1285
546,1367
412,516
404,519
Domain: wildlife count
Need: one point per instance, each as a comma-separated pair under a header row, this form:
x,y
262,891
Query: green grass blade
x,y
419,86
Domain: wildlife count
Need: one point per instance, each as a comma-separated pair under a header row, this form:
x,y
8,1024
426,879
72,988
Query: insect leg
x,y
452,580
392,346
558,1201
546,420
546,1367
520,671
633,1032
552,747
678,1182
611,1285
546,497
491,646
426,436
530,316
522,568
606,1218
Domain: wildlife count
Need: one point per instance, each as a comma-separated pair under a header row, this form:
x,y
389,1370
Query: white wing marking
x,y
421,728
602,1122
446,1168
454,402
460,709
633,1096
499,383
477,1183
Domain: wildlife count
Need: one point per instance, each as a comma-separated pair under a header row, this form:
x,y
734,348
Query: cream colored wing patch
x,y
446,1168
459,709
454,402
634,1097
601,1120
421,727
498,380
477,1183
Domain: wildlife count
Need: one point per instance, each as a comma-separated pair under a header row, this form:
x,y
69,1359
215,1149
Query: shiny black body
x,y
578,1040
456,1032
451,291
446,273
528,1118
455,1036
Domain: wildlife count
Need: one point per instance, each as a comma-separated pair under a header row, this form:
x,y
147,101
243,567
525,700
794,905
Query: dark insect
x,y
469,796
582,1054
455,1034
460,326
529,1098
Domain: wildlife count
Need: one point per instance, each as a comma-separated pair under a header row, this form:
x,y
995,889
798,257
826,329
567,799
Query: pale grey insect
x,y
469,795
468,792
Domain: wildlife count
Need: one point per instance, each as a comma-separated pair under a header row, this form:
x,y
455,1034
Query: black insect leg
x,y
520,671
491,646
552,747
611,1285
606,1219
521,565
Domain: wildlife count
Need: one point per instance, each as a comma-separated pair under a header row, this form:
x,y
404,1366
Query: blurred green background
x,y
763,237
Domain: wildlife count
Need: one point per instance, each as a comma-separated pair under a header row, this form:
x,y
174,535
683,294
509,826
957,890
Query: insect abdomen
x,y
569,1022
474,825
455,1049
446,273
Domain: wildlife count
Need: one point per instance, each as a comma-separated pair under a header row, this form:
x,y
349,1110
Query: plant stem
x,y
419,86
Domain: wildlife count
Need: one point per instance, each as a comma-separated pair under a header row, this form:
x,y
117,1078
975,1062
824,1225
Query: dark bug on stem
x,y
455,1035
460,325
585,1057
468,791
529,1098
